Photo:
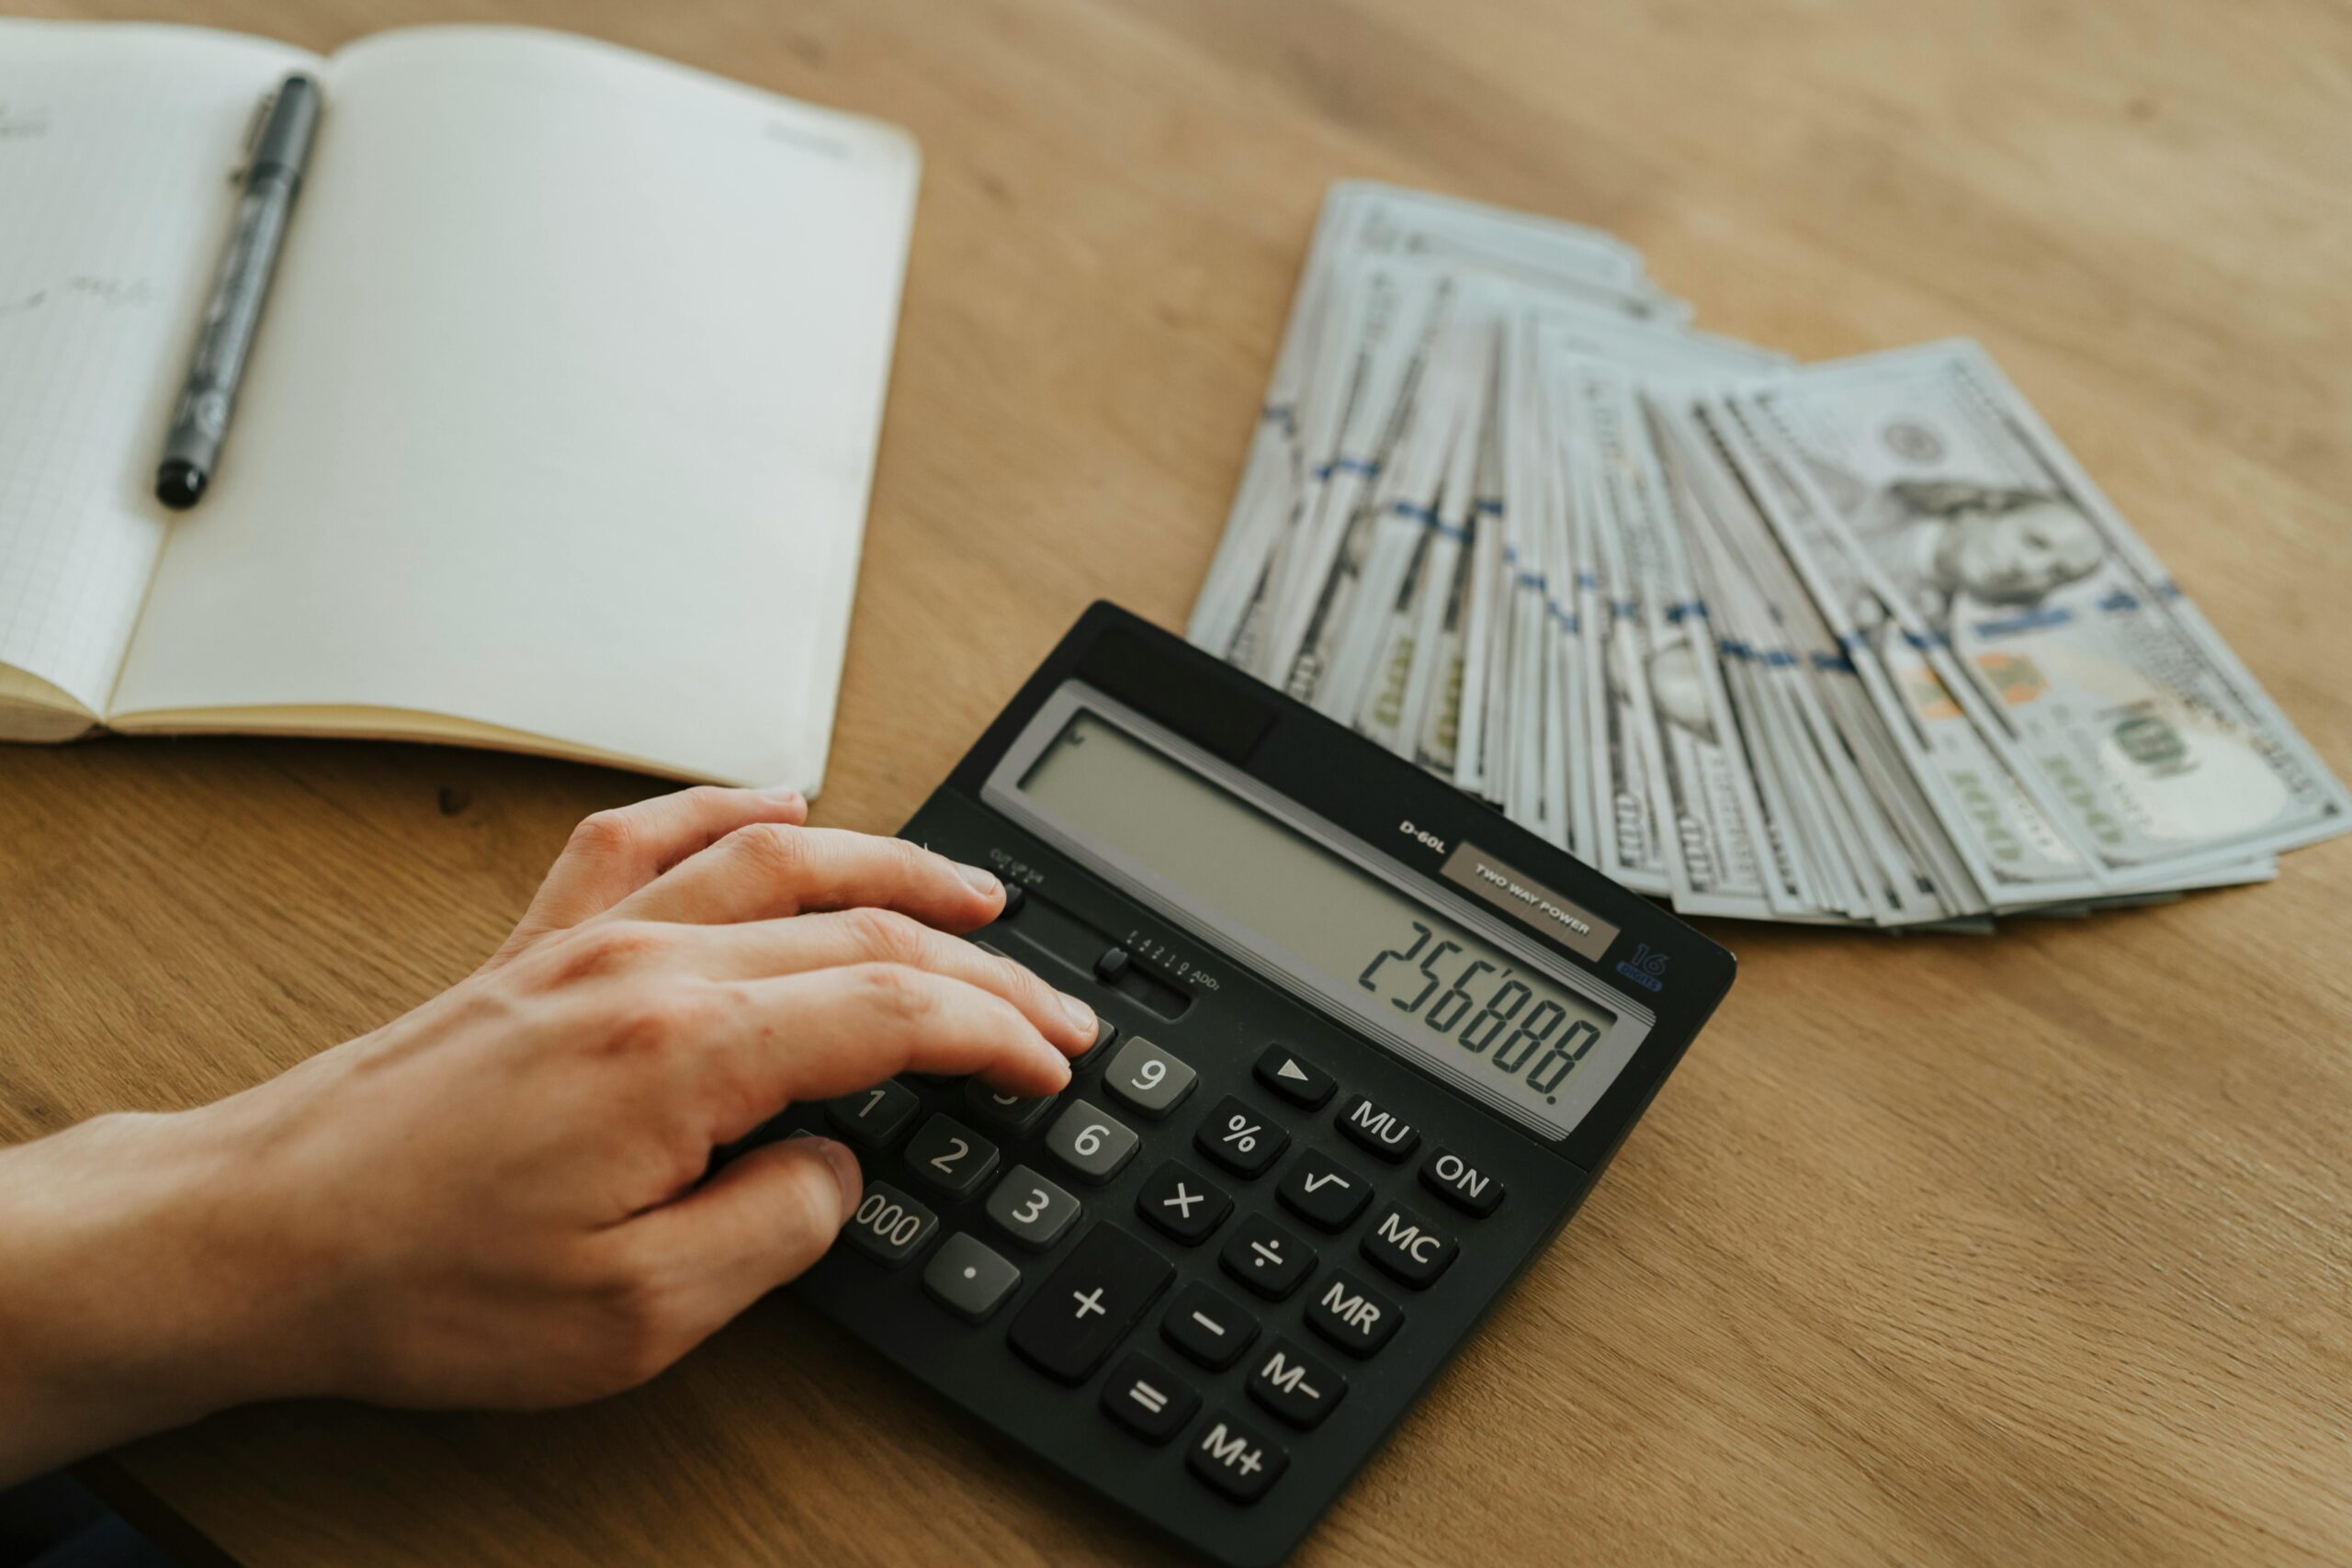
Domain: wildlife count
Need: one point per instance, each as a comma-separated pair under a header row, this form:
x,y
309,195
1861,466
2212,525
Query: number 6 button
x,y
1090,1143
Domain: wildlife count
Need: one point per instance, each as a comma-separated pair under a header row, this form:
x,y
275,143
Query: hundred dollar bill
x,y
2162,752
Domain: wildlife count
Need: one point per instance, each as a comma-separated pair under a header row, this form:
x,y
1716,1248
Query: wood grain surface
x,y
1941,1251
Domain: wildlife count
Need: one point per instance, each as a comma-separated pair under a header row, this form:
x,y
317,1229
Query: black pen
x,y
272,176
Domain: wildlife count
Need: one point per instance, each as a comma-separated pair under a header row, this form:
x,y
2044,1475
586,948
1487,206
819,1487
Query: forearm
x,y
118,1310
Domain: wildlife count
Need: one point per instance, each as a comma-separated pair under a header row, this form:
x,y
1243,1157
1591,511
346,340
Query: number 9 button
x,y
1147,1079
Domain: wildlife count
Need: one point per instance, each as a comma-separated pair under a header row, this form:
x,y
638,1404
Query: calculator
x,y
1365,1046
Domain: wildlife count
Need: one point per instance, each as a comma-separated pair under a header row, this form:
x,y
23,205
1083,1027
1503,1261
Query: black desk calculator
x,y
1365,1046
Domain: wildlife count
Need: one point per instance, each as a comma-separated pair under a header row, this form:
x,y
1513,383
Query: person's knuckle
x,y
609,834
774,851
605,949
899,993
654,1020
637,1319
886,936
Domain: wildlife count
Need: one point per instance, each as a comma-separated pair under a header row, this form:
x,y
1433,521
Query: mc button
x,y
1403,1245
1372,1128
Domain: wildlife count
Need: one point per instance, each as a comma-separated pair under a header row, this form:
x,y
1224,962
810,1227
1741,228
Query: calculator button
x,y
1295,1079
949,1155
1351,1314
1462,1184
1104,1033
1404,1246
1378,1130
1147,1079
1181,1202
1266,1257
1206,1326
1148,1399
1015,896
1090,1143
1088,1304
1011,1113
875,1117
1240,1139
889,1227
1322,1191
1111,965
1236,1459
1030,1208
969,1278
1295,1386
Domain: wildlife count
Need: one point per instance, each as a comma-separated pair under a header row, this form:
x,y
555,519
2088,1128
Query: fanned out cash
x,y
1853,643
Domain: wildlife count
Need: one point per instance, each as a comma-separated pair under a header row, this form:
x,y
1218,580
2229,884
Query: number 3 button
x,y
1086,1139
951,1157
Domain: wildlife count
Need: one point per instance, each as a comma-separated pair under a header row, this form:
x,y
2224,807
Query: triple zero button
x,y
1380,1131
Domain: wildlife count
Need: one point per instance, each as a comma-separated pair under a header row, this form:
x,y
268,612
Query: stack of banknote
x,y
1853,643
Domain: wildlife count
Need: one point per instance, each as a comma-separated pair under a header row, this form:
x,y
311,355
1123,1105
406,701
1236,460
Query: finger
x,y
758,949
765,1045
765,871
612,853
759,1222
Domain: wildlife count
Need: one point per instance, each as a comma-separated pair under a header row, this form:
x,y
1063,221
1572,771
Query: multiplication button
x,y
1180,1201
1235,1459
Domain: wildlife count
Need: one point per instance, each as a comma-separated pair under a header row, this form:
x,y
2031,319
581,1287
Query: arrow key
x,y
1294,1078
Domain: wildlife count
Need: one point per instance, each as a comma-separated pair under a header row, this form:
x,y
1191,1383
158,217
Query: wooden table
x,y
1935,1251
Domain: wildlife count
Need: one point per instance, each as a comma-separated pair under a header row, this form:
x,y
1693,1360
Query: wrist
x,y
128,1300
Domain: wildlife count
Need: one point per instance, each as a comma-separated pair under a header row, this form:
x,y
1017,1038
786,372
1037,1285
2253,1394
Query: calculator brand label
x,y
1528,901
1645,968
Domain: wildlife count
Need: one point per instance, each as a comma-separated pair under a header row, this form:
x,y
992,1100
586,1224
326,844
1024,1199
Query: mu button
x,y
1403,1245
1235,1459
1376,1130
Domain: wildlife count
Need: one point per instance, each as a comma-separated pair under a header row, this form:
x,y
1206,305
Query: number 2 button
x,y
951,1157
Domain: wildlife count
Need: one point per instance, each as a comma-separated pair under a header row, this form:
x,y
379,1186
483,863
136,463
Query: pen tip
x,y
178,484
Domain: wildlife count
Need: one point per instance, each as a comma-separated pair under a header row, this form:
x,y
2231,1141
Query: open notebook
x,y
557,433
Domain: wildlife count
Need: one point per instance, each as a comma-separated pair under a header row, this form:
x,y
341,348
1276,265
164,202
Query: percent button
x,y
1241,1138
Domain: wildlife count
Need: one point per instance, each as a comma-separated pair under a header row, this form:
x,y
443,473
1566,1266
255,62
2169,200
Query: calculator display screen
x,y
1465,1005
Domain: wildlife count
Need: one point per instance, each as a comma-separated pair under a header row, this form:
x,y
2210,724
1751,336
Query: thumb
x,y
756,1224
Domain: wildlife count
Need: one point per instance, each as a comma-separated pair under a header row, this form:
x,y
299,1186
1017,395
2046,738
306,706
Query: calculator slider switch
x,y
1462,1184
1404,1247
1294,1078
1380,1132
1111,965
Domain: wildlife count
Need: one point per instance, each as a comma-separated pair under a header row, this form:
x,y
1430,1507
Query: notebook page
x,y
116,147
566,418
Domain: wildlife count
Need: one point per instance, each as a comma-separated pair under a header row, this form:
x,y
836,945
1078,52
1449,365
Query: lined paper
x,y
116,147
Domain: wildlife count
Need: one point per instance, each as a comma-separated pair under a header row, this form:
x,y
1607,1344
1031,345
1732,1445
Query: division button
x,y
968,1277
1322,1191
1266,1257
1293,1078
1088,1141
1351,1314
1462,1184
1030,1208
1235,1459
1181,1202
1148,1399
1403,1245
1240,1139
1372,1128
1147,1079
1088,1304
1207,1327
873,1117
889,1227
1295,1386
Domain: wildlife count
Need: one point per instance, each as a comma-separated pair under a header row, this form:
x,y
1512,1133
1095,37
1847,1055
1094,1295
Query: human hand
x,y
498,1198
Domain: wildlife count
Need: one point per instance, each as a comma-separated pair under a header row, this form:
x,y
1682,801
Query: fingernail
x,y
1081,1017
978,881
784,795
846,1175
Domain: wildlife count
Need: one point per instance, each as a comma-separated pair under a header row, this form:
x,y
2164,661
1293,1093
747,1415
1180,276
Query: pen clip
x,y
253,136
